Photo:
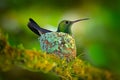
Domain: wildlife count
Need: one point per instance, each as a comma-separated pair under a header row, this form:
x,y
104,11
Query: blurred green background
x,y
98,38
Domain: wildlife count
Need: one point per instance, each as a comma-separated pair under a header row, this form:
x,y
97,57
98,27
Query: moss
x,y
37,61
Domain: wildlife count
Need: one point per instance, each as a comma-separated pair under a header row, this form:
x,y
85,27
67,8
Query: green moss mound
x,y
46,65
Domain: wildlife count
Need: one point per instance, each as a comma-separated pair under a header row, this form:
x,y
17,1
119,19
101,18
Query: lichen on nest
x,y
59,43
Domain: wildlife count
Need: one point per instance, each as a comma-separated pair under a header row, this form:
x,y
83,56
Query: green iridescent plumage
x,y
65,25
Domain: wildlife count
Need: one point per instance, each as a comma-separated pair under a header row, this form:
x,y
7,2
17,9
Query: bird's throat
x,y
68,30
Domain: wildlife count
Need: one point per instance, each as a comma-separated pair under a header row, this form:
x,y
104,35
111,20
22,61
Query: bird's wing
x,y
36,28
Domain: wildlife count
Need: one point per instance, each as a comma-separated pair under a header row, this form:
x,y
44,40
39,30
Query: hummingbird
x,y
64,26
60,42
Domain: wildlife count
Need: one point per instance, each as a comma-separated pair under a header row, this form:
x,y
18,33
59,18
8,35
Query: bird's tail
x,y
36,28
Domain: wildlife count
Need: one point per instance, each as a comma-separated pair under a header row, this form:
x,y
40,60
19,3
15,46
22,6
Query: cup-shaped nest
x,y
58,43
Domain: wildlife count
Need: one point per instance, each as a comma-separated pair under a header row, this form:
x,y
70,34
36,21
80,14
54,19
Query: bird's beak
x,y
80,20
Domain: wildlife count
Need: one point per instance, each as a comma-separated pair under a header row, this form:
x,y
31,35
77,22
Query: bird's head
x,y
65,25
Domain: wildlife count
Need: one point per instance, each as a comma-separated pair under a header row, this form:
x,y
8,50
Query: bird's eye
x,y
66,22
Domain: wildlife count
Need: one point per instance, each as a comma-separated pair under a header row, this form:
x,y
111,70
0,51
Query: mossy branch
x,y
37,61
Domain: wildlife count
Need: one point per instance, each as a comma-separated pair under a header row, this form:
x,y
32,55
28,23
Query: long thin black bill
x,y
80,20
